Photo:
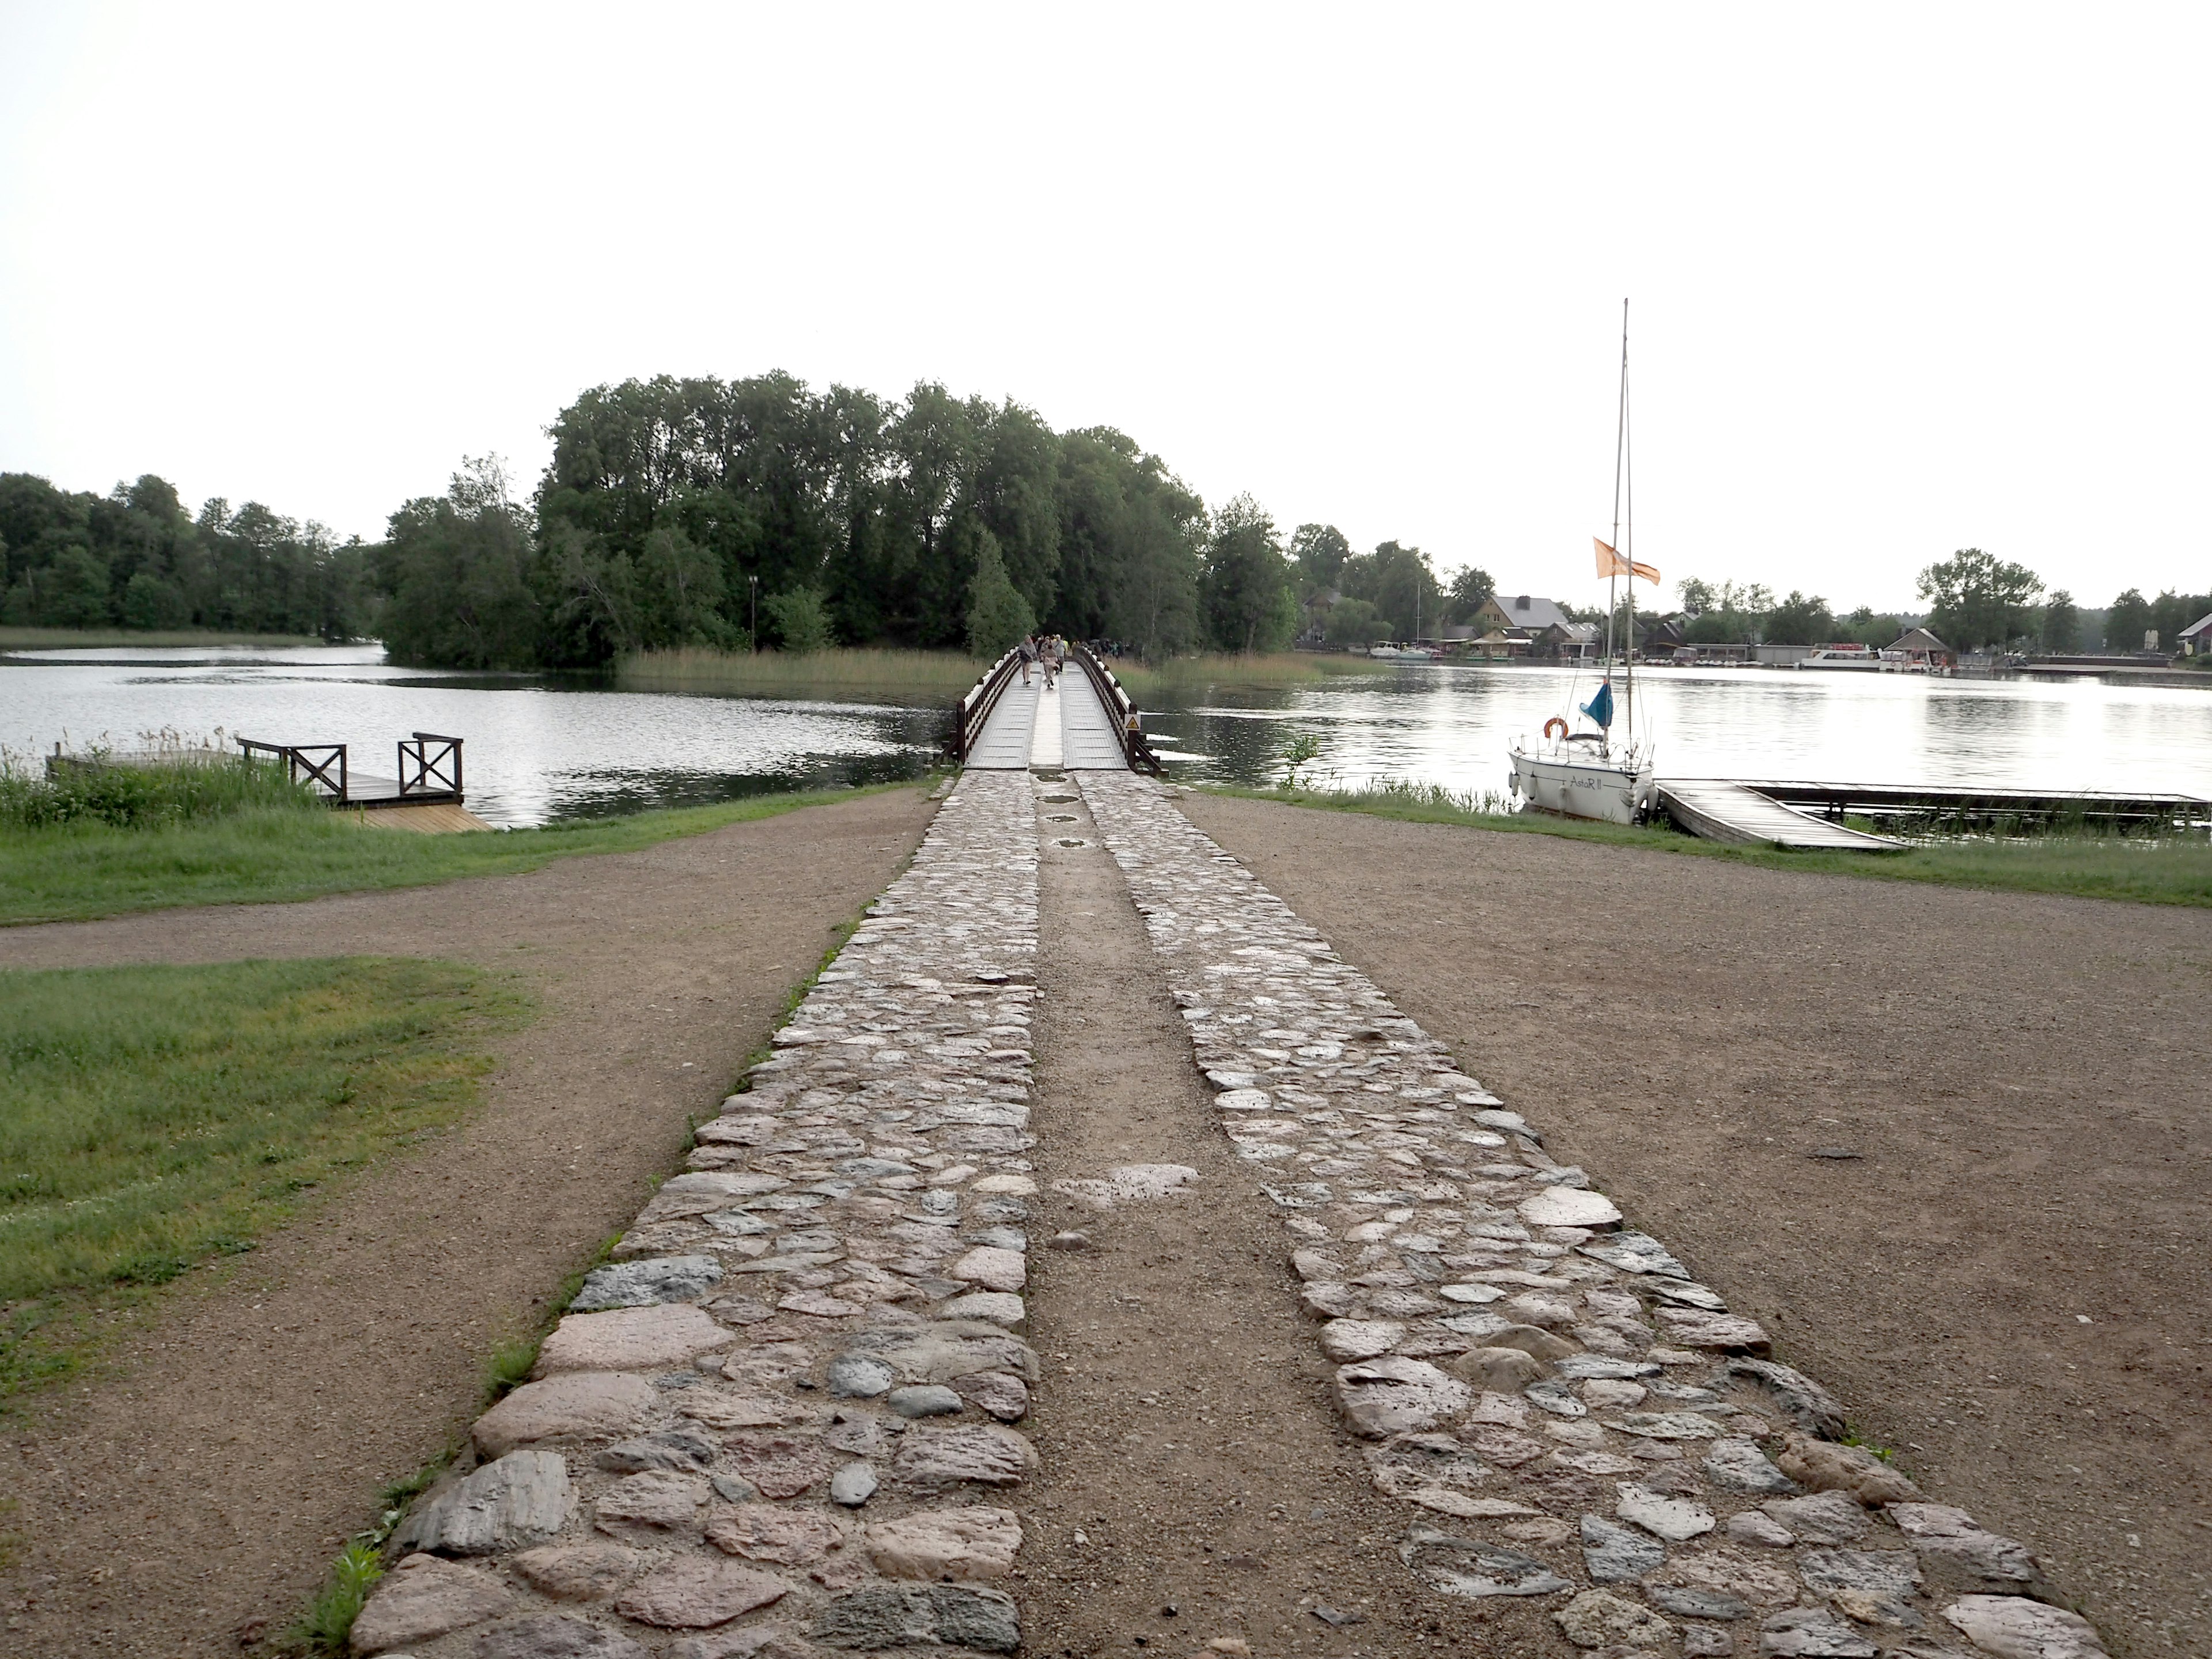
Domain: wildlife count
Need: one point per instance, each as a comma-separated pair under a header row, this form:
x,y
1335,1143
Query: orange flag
x,y
1610,563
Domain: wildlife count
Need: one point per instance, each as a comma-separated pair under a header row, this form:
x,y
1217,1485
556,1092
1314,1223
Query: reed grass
x,y
155,1119
854,675
56,639
178,784
2084,863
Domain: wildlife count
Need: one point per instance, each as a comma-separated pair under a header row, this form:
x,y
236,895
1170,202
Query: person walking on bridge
x,y
1028,649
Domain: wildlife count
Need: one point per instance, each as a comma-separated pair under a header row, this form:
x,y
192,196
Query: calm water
x,y
541,749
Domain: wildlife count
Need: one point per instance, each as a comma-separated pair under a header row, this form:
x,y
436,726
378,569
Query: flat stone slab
x,y
2013,1627
1395,1396
693,1592
556,1636
522,1499
658,1500
1694,1327
1599,1619
946,1545
1676,1519
768,1532
1470,1567
980,1452
1569,1207
424,1598
993,1269
935,1615
583,1404
1738,1465
642,1284
631,1339
1617,1554
579,1572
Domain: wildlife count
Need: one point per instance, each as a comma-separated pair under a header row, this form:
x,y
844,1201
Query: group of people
x,y
1045,651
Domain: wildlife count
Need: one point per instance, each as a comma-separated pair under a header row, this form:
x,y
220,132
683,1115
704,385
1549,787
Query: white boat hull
x,y
1584,787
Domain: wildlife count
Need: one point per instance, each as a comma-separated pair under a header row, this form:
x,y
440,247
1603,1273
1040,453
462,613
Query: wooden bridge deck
x,y
1719,810
1064,728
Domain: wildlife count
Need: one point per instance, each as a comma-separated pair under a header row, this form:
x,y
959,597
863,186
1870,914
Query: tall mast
x,y
1628,547
1620,452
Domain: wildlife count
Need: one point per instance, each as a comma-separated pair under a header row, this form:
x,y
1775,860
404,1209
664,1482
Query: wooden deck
x,y
1719,810
1065,729
444,819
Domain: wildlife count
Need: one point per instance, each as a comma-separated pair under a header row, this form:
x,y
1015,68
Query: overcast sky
x,y
1905,278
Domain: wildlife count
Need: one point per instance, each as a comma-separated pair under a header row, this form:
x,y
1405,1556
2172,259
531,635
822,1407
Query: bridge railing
x,y
973,711
1121,709
321,766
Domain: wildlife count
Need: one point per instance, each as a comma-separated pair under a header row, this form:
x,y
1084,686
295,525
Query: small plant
x,y
1300,752
324,1628
508,1368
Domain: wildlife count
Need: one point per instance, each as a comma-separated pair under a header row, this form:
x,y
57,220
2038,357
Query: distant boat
x,y
1587,774
1401,653
1851,659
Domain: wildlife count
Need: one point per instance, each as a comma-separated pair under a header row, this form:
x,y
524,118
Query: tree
x,y
2171,612
801,620
2127,621
1978,599
1799,619
150,601
1320,551
1354,622
1246,587
457,570
1471,589
998,617
2062,623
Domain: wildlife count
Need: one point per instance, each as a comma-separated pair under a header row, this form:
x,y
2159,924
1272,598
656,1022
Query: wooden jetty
x,y
430,767
1720,809
995,726
1968,807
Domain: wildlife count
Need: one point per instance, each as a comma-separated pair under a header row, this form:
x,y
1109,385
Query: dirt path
x,y
205,1487
2007,1283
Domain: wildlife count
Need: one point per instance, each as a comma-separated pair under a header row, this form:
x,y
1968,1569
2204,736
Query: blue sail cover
x,y
1600,708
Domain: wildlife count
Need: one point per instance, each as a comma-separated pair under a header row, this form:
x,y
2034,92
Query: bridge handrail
x,y
973,709
298,759
1128,722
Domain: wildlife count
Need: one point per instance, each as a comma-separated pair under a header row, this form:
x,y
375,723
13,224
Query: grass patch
x,y
322,1629
185,785
156,1119
267,855
854,675
2172,870
1187,674
58,639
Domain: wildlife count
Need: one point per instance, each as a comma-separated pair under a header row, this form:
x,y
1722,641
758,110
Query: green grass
x,y
1188,674
156,1119
2172,870
54,639
328,1621
276,854
188,786
859,675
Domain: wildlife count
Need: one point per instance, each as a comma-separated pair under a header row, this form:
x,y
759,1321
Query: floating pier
x,y
1742,814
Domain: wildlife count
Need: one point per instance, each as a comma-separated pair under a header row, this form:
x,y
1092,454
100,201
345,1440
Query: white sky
x,y
1907,278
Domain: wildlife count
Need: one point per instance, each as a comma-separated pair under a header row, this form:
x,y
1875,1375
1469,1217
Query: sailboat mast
x,y
1628,547
1620,451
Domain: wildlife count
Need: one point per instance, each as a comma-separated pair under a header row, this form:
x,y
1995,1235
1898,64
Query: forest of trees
x,y
135,558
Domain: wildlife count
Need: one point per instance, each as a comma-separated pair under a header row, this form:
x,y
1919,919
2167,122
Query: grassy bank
x,y
154,1119
58,639
1185,674
273,854
846,676
2173,871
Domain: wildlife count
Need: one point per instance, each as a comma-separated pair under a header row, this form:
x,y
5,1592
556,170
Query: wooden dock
x,y
1720,809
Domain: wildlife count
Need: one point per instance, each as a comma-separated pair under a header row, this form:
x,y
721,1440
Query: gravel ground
x,y
200,1489
2005,1281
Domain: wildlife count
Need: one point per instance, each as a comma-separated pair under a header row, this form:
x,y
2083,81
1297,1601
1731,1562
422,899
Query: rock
x,y
1688,1603
1667,1425
933,1615
947,1544
1531,1340
1616,1555
980,1452
561,1408
780,1464
670,1448
1890,1575
1550,1313
422,1599
632,1340
1740,1466
701,1191
642,1284
743,1642
1635,1253
1014,1185
659,1500
1821,1465
764,1532
720,1409
1868,1607
695,1591
1674,1518
1459,1506
1344,1339
1599,1619
1704,1642
1395,1396
1802,1401
578,1572
732,1489
2013,1627
1696,1328
925,1400
820,1304
854,1485
1951,1539
1583,1367
1569,1207
1753,1527
1827,1518
1411,1463
1005,1397
523,1498
852,1432
1328,1301
556,1636
857,1376
993,1269
1465,1566
1613,1396
1068,1241
1556,1399
1498,1370
1763,1584
1811,1633
997,1306
1469,1293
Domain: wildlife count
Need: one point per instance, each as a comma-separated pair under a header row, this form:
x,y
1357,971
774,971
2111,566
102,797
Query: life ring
x,y
1555,728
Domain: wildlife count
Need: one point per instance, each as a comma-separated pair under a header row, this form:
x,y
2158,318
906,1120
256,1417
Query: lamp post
x,y
755,583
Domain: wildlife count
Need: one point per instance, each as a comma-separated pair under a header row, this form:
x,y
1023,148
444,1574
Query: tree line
x,y
136,558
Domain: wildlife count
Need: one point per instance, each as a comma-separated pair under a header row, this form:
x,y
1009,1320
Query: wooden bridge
x,y
1084,722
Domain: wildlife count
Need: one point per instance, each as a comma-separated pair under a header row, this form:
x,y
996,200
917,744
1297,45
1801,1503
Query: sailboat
x,y
1590,773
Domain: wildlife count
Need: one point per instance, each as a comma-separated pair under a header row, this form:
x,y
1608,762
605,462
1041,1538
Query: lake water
x,y
541,749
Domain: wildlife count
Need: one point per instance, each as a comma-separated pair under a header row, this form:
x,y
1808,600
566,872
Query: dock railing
x,y
1128,722
321,766
970,714
430,765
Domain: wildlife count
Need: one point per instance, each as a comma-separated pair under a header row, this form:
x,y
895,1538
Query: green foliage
x,y
1320,551
1246,588
457,568
2062,625
267,855
190,788
801,620
1799,619
2132,616
135,558
1354,624
1300,752
323,1630
1398,583
1977,599
997,616
861,674
1471,589
509,1367
154,1118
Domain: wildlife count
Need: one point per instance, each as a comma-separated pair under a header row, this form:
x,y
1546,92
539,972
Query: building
x,y
1918,645
1524,612
1543,630
2196,640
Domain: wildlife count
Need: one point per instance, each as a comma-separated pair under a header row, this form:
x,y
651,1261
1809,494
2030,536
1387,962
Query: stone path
x,y
785,1416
